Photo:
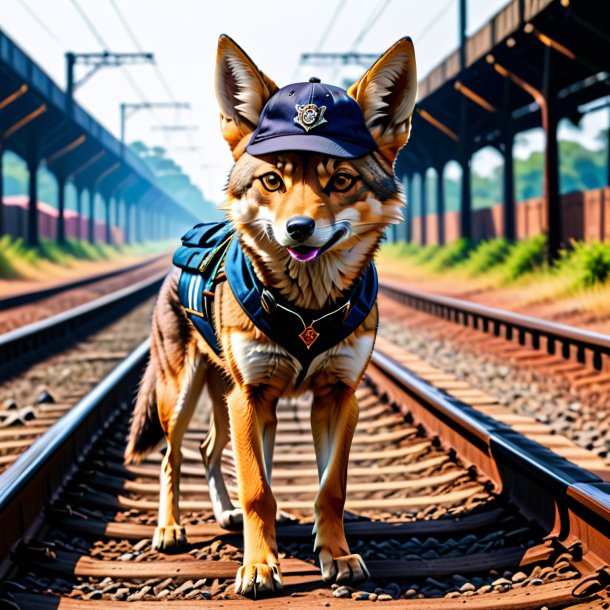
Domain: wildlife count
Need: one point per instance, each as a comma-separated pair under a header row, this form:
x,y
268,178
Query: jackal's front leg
x,y
251,419
333,421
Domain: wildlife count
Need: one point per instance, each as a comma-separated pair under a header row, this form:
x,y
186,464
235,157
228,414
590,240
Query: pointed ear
x,y
386,94
241,90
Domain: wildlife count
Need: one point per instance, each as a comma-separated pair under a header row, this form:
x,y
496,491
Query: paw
x,y
346,570
169,539
231,519
255,579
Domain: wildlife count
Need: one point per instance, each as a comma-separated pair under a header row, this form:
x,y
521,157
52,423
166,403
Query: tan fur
x,y
258,372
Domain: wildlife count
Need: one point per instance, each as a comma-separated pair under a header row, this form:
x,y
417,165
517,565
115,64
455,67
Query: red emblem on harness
x,y
309,336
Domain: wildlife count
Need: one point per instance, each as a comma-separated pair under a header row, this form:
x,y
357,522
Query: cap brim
x,y
309,143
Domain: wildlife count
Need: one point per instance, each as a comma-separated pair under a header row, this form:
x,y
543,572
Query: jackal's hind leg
x,y
175,412
211,448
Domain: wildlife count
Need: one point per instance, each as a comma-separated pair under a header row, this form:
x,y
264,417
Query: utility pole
x,y
128,110
465,152
463,17
97,61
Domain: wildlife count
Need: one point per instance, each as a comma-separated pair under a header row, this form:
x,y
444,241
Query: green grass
x,y
581,273
15,256
426,254
452,255
506,261
488,255
587,262
524,257
12,250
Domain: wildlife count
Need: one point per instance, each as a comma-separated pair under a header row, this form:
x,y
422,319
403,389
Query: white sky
x,y
183,36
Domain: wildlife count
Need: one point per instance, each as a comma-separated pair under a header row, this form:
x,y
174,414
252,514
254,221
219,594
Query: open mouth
x,y
304,254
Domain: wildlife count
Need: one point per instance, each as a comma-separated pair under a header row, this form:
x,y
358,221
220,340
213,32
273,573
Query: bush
x,y
406,249
54,253
452,255
526,256
426,254
589,262
82,250
12,251
487,255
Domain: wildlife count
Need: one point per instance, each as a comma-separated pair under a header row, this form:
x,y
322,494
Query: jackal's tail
x,y
145,431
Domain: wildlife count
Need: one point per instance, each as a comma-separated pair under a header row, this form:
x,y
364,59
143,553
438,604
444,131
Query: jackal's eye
x,y
342,182
271,182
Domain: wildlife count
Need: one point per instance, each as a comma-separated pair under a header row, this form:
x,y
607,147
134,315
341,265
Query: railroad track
x,y
34,296
449,506
557,373
23,309
48,366
25,345
582,346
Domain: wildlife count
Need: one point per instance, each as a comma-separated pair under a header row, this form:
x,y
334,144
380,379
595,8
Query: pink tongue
x,y
305,257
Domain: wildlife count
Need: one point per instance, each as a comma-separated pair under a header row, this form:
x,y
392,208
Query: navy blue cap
x,y
313,117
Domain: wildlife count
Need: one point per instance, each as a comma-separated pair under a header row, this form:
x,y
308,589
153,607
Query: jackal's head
x,y
313,187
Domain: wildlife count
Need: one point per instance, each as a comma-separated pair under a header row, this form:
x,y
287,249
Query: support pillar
x,y
424,209
127,225
107,222
33,238
79,211
508,189
152,225
61,206
411,200
465,162
440,203
91,219
138,222
407,214
550,121
2,224
117,211
608,151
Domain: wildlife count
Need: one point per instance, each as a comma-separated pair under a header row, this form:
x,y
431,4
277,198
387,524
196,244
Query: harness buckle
x,y
268,302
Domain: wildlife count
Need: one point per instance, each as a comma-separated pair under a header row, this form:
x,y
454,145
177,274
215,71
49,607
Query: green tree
x,y
176,182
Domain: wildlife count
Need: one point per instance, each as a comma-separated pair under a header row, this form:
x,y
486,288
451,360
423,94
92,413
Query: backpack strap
x,y
201,259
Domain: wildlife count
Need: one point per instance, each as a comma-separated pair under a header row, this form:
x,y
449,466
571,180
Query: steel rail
x,y
32,342
26,298
570,503
489,319
37,474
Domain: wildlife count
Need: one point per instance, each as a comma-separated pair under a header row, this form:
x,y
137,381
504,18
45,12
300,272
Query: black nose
x,y
300,227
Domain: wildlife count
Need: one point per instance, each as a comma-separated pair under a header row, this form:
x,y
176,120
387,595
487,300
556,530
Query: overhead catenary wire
x,y
376,13
90,25
329,26
430,25
139,47
136,42
325,34
41,23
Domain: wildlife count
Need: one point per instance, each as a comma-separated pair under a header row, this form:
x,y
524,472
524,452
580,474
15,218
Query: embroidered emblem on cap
x,y
310,116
